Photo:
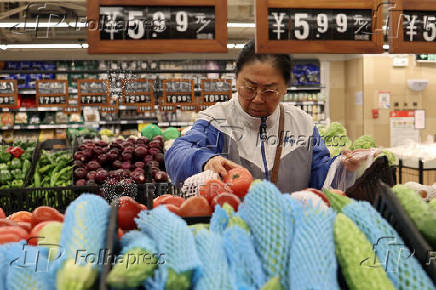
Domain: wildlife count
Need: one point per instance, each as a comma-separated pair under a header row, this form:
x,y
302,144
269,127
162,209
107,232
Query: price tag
x,y
319,27
52,87
167,108
192,108
8,93
145,108
413,27
158,26
178,92
215,90
139,92
108,109
71,109
93,92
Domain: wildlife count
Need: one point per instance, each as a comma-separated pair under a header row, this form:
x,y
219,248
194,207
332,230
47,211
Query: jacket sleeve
x,y
189,153
321,161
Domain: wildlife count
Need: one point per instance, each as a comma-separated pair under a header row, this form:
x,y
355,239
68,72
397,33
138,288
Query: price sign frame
x,y
397,44
217,45
140,105
14,95
161,106
204,93
80,94
264,45
38,95
65,109
166,93
116,109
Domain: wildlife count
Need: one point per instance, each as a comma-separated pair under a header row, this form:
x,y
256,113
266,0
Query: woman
x,y
245,131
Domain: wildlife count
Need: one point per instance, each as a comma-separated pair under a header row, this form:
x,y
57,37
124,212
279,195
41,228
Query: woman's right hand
x,y
220,165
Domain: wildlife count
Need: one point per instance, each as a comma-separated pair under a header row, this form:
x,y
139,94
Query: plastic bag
x,y
338,177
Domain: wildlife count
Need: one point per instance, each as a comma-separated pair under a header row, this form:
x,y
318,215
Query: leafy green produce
x,y
177,281
53,169
337,202
15,164
73,276
132,276
432,204
170,133
391,156
237,221
364,142
335,138
359,264
198,227
151,131
273,284
419,211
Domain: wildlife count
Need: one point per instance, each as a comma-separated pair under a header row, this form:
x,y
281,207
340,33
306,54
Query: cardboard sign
x,y
215,90
92,92
178,92
164,26
319,26
8,93
51,93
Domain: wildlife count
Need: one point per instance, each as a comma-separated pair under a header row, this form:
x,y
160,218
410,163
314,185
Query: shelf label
x,y
8,93
215,90
147,27
139,92
178,92
319,26
93,92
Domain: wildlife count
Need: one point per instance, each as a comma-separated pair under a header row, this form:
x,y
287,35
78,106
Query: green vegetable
x,y
5,176
432,203
3,166
364,142
26,167
180,281
198,227
5,156
419,211
337,202
391,157
16,163
54,169
73,276
131,274
237,221
171,133
273,284
17,174
17,183
359,264
335,138
26,156
151,131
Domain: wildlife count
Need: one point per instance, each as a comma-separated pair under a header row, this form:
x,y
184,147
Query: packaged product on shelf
x,y
34,118
61,118
8,136
46,134
20,118
49,118
75,118
60,134
6,119
91,114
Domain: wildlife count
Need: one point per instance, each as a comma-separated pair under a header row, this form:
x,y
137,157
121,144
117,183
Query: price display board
x,y
319,26
51,93
93,92
412,28
71,109
8,93
139,92
178,92
150,26
167,108
215,90
108,109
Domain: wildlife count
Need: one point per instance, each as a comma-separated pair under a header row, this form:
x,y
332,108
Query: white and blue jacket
x,y
226,129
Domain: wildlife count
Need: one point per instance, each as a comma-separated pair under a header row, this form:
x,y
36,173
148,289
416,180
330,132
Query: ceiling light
x,y
241,24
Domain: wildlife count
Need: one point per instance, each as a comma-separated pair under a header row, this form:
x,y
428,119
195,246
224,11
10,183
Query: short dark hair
x,y
248,55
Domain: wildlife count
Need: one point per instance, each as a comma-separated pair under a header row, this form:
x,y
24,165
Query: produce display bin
x,y
365,186
416,170
390,208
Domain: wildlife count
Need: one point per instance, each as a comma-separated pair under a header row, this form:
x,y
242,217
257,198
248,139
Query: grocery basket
x,y
365,186
388,205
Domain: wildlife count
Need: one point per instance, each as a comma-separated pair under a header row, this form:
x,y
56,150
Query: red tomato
x,y
320,194
212,188
174,200
2,214
34,234
46,213
21,216
25,225
239,179
127,212
229,198
158,200
13,234
195,206
6,222
172,208
120,233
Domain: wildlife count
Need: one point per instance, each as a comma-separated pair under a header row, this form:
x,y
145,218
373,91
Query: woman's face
x,y
258,77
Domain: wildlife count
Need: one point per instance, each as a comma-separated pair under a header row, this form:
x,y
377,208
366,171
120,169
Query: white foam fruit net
x,y
191,186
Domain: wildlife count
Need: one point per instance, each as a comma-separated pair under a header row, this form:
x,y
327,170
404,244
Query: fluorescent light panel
x,y
44,46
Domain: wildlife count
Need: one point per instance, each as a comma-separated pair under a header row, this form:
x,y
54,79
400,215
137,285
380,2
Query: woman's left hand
x,y
353,159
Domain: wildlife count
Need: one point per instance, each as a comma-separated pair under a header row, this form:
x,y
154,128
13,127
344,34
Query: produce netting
x,y
137,239
271,227
215,274
399,263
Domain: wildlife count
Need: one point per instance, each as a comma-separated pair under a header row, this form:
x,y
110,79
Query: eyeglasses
x,y
249,93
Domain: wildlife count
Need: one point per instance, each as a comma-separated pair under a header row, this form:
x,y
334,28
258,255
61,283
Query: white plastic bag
x,y
338,177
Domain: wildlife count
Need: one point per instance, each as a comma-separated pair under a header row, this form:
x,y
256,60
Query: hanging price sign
x,y
412,28
93,92
178,92
164,26
8,93
51,93
139,92
108,109
215,90
319,26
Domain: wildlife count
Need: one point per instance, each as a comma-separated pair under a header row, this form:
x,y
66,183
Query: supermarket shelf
x,y
48,126
305,88
33,91
33,109
123,122
175,124
305,102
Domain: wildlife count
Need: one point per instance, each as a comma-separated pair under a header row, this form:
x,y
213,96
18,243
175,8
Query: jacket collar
x,y
254,122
